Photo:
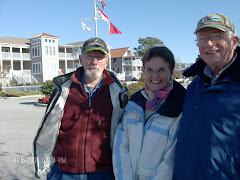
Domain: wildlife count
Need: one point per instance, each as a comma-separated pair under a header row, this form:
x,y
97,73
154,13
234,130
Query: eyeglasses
x,y
99,58
215,38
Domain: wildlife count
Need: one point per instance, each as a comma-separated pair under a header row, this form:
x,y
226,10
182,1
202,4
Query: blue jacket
x,y
208,146
145,150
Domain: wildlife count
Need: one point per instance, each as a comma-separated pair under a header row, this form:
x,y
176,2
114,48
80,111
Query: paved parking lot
x,y
20,118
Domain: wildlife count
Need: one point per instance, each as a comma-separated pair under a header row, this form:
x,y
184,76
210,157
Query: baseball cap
x,y
218,21
95,44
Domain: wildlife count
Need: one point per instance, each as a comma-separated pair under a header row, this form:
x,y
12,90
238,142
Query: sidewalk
x,y
20,119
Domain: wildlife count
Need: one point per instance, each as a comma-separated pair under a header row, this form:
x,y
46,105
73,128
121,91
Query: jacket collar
x,y
173,105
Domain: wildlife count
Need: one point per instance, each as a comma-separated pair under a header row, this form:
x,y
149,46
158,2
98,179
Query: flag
x,y
103,3
85,27
113,29
101,15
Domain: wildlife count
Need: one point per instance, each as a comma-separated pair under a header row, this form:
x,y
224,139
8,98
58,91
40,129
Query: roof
x,y
116,53
77,43
14,40
43,34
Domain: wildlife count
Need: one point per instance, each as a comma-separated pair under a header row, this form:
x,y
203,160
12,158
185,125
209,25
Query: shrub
x,y
0,87
44,100
134,79
47,88
134,87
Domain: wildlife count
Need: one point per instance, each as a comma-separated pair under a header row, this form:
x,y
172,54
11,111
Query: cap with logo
x,y
217,21
95,44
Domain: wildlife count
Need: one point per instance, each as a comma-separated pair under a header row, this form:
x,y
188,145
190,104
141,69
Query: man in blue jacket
x,y
208,146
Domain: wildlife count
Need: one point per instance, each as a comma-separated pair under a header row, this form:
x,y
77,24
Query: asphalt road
x,y
20,118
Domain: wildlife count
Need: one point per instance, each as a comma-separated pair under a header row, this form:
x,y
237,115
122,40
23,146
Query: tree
x,y
146,43
4,82
198,58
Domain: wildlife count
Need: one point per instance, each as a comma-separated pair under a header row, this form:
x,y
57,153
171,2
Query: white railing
x,y
26,55
16,55
61,55
76,55
70,70
23,77
17,72
71,56
136,74
132,62
121,77
6,55
27,72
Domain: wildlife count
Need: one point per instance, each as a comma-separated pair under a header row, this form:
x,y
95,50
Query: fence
x,y
23,88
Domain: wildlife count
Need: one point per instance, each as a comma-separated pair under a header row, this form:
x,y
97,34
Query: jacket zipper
x,y
99,123
89,107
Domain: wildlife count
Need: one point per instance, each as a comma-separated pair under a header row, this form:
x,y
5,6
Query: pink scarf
x,y
158,96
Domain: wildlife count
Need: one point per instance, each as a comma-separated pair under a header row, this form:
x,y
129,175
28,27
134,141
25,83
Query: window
x,y
51,67
35,51
50,40
36,68
35,41
53,41
50,50
54,53
114,60
46,50
116,70
45,40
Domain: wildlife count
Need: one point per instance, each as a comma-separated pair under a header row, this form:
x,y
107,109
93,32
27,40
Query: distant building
x,y
38,58
42,58
126,64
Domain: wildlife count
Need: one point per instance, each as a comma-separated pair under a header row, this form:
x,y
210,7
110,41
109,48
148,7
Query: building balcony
x,y
7,55
132,62
136,74
71,56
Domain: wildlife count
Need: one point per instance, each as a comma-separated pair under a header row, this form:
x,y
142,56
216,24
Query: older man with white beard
x,y
80,122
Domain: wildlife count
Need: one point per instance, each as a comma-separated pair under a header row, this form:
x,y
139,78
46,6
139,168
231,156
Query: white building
x,y
42,58
126,64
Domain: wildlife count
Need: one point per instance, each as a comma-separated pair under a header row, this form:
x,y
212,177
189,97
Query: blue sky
x,y
171,21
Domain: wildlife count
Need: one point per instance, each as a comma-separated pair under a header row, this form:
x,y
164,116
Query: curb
x,y
19,97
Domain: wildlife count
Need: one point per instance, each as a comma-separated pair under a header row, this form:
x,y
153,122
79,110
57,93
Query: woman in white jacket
x,y
144,144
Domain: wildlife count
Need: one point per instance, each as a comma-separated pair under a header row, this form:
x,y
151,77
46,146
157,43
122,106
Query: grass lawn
x,y
20,93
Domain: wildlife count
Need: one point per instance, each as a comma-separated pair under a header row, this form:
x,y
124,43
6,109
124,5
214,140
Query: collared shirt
x,y
95,89
209,73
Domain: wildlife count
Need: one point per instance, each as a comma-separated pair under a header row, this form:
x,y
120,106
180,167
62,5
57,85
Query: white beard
x,y
93,74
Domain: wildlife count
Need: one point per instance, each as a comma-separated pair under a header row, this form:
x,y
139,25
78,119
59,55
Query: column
x,y
65,53
73,64
1,61
11,55
21,59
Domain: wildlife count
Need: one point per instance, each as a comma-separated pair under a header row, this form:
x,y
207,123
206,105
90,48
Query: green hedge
x,y
47,88
134,87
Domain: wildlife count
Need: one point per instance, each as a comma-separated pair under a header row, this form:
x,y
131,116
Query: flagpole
x,y
95,18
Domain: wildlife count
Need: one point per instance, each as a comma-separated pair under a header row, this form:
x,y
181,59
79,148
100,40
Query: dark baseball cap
x,y
217,21
95,44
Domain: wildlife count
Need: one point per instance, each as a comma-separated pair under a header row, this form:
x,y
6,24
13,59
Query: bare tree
x,y
4,79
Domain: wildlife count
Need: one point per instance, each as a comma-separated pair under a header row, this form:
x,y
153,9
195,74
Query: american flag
x,y
103,3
